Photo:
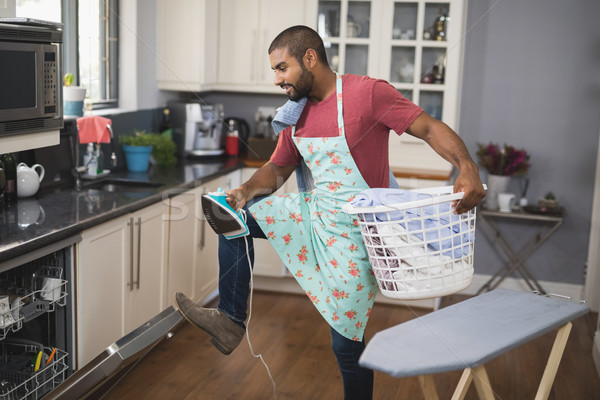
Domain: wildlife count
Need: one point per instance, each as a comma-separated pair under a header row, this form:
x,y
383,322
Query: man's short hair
x,y
298,39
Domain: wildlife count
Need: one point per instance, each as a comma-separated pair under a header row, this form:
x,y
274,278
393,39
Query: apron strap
x,y
340,107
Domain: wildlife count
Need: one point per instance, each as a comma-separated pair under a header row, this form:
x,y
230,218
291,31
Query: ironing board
x,y
469,334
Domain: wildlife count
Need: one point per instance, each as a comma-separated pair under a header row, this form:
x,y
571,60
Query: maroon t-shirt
x,y
371,108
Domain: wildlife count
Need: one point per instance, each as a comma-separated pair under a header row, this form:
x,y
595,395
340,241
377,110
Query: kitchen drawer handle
x,y
139,251
130,283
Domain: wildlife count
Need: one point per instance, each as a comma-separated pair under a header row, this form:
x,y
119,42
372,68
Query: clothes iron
x,y
221,217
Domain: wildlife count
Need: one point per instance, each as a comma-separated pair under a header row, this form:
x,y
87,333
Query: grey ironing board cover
x,y
467,334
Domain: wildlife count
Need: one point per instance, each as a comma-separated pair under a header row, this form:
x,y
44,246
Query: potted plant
x,y
73,96
501,164
549,203
140,146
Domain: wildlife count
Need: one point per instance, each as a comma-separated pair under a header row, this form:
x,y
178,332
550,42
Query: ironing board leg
x,y
428,387
553,361
463,385
482,383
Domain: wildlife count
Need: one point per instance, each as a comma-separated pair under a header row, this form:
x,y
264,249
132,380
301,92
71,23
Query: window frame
x,y
109,53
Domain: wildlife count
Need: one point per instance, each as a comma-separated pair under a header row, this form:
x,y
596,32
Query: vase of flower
x,y
501,164
496,184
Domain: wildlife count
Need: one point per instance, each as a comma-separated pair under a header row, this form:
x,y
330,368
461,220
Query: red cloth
x,y
93,129
371,108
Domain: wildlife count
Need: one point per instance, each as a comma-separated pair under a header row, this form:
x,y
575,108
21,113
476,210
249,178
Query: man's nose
x,y
277,80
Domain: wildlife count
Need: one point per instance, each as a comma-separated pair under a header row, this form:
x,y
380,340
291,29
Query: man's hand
x,y
468,182
236,198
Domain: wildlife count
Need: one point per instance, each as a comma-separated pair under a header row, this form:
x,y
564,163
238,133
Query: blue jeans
x,y
234,289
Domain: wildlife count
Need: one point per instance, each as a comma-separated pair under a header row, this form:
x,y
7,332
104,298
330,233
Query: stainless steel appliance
x,y
197,128
30,76
36,318
117,359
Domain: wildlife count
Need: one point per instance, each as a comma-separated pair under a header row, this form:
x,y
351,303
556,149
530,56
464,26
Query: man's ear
x,y
310,59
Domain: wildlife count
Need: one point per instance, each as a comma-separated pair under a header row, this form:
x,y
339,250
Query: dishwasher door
x,y
117,359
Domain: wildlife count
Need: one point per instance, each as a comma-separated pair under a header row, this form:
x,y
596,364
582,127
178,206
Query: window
x,y
90,48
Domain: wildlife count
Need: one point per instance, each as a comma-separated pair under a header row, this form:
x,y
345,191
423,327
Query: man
x,y
342,136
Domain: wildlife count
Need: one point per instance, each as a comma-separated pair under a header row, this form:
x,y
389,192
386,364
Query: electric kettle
x,y
243,129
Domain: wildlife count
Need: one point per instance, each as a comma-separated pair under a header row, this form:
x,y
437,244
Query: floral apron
x,y
320,244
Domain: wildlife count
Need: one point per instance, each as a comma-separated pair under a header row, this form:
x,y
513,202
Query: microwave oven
x,y
30,76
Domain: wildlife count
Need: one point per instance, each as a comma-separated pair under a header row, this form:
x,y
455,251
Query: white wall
x,y
137,54
531,80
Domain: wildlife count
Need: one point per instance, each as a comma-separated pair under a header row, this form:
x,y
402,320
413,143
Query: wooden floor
x,y
294,342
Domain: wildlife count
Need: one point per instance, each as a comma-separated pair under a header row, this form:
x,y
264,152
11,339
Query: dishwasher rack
x,y
36,314
16,310
18,378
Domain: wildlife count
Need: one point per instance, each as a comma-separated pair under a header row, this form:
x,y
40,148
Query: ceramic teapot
x,y
28,179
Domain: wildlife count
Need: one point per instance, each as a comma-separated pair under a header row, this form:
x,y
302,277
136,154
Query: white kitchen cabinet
x,y
182,244
193,266
120,278
186,53
247,28
396,40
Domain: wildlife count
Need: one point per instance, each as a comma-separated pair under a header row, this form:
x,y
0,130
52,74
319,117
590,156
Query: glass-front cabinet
x,y
416,45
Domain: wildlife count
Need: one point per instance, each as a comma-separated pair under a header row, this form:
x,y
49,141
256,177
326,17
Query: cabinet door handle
x,y
263,41
253,64
130,224
139,251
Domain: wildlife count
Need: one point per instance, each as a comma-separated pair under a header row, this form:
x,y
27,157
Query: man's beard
x,y
303,86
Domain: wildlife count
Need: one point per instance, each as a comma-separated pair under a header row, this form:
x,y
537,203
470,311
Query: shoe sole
x,y
213,339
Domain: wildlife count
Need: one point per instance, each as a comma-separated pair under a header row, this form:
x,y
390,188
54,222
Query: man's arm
x,y
264,181
450,146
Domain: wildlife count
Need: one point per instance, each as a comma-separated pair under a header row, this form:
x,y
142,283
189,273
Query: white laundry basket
x,y
419,249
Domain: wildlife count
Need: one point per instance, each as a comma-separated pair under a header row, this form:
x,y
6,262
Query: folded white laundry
x,y
435,224
410,248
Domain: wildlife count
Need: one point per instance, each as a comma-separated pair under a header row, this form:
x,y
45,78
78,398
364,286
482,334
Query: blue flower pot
x,y
138,157
73,108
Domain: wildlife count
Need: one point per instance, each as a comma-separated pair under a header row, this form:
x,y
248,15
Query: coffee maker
x,y
197,128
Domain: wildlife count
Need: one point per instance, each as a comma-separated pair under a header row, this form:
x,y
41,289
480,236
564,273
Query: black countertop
x,y
57,214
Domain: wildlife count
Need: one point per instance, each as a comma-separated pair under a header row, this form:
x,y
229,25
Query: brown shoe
x,y
226,335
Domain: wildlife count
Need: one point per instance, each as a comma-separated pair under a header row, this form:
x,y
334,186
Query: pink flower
x,y
350,314
331,241
505,161
339,294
